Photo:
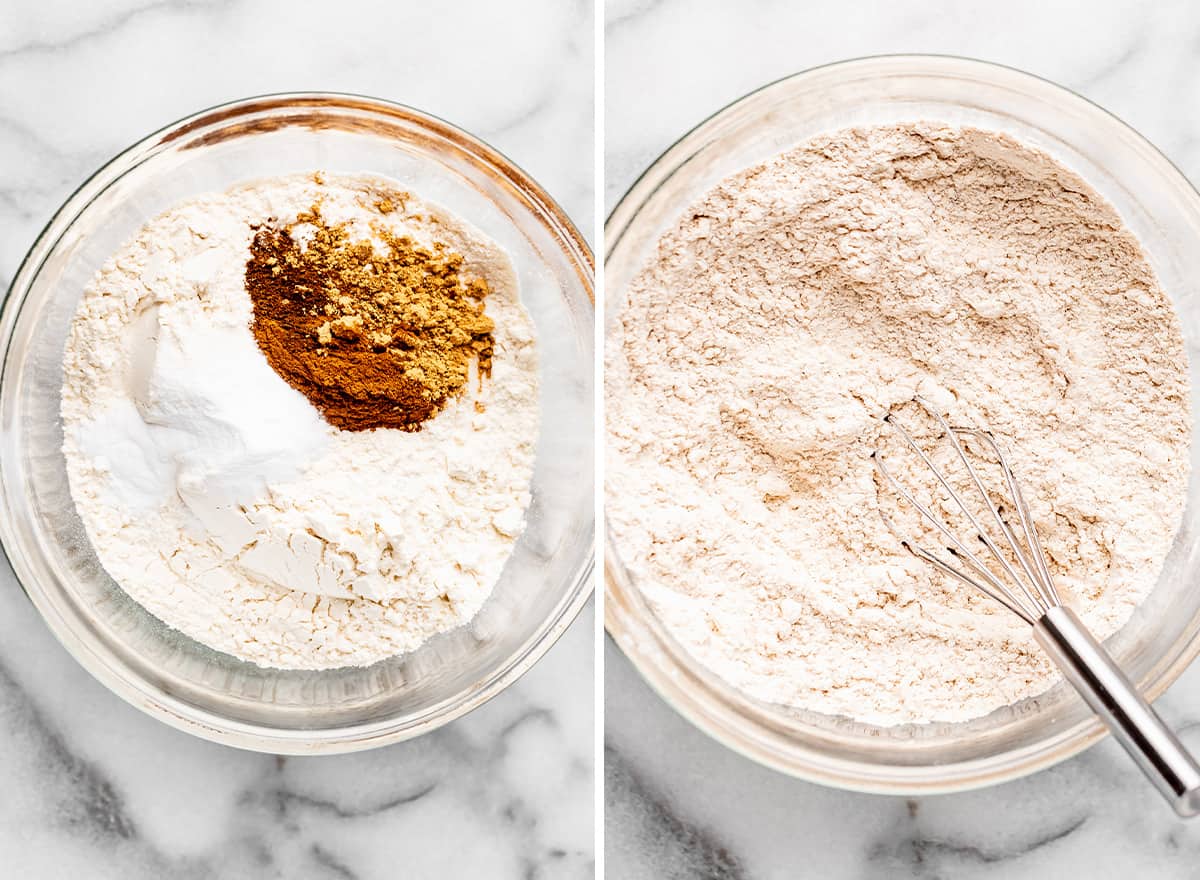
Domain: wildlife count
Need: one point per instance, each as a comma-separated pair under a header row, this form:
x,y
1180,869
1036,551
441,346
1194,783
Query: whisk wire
x,y
1026,600
1044,582
990,584
1028,585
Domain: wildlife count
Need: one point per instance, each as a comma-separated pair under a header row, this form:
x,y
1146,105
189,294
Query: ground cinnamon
x,y
374,337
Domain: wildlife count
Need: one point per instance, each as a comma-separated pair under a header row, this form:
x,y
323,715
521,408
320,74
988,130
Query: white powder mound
x,y
219,498
794,305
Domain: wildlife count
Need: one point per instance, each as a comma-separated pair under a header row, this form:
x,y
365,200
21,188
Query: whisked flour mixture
x,y
797,302
300,419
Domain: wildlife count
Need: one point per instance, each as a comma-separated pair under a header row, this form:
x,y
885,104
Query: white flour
x,y
219,499
796,303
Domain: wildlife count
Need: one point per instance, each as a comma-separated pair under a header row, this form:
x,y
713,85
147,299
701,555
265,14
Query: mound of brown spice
x,y
374,338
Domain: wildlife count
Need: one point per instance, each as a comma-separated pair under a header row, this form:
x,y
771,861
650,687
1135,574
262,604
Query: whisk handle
x,y
1130,719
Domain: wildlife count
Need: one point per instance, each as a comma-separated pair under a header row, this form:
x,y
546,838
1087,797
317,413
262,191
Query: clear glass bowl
x,y
1160,206
176,679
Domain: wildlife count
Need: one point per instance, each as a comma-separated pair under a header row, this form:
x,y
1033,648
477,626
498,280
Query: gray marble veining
x,y
679,805
95,789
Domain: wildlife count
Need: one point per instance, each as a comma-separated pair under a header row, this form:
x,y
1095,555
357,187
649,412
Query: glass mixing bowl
x,y
1161,207
165,673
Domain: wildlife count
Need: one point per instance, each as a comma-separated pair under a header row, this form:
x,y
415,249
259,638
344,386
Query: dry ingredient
x,y
218,497
801,299
373,340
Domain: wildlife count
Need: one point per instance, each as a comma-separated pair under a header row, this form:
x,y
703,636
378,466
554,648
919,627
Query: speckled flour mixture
x,y
797,302
218,495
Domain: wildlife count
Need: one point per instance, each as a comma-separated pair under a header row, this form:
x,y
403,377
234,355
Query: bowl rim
x,y
643,640
107,667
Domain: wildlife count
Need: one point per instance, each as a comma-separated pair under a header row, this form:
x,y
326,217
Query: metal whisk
x,y
1020,580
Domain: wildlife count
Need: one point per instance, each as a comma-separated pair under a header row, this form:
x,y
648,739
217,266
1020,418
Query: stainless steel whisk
x,y
1021,582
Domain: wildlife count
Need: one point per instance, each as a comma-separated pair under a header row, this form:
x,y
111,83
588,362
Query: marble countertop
x,y
92,787
678,805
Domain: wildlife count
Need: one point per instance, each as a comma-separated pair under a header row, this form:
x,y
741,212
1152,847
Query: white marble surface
x,y
678,804
95,789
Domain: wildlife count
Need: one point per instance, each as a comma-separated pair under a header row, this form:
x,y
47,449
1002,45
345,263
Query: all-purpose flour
x,y
795,304
218,497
